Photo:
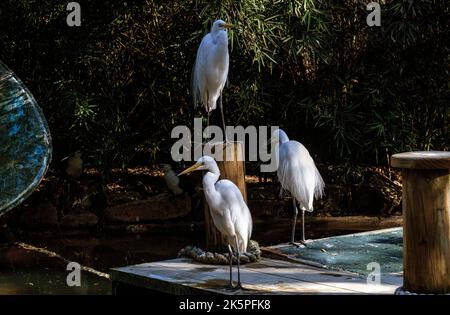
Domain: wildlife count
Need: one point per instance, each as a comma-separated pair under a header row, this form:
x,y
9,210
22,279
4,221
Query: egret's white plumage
x,y
211,67
172,180
228,209
297,172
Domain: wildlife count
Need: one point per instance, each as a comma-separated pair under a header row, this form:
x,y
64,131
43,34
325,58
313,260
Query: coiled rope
x,y
253,254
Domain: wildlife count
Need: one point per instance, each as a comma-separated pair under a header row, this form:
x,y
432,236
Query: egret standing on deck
x,y
211,68
297,174
228,209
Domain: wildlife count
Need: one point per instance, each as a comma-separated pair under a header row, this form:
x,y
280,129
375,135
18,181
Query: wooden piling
x,y
231,168
426,220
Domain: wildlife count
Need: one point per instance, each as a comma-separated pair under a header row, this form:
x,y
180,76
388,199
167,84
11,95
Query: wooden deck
x,y
268,276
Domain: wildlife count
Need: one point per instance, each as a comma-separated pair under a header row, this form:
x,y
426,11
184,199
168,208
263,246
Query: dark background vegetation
x,y
115,87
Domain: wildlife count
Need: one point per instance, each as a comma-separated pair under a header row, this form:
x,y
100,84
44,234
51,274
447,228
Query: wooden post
x,y
426,220
232,169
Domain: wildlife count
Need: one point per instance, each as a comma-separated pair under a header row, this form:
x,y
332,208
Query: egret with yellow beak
x,y
211,68
228,210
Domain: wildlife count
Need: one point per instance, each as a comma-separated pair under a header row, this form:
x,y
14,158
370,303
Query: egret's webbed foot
x,y
298,245
230,283
239,286
230,287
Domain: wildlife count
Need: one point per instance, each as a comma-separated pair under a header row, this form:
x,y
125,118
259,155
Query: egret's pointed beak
x,y
228,25
190,169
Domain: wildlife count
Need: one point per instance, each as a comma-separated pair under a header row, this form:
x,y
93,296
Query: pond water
x,y
30,272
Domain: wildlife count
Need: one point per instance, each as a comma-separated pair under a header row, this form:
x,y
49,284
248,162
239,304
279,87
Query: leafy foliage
x,y
116,86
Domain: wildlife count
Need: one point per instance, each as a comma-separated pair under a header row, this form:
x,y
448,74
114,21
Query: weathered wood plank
x,y
426,211
183,276
340,279
422,160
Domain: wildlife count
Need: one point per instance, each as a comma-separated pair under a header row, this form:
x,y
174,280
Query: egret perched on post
x,y
211,68
297,174
228,209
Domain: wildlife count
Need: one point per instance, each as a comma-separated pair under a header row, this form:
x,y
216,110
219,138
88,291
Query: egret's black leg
x,y
207,119
302,242
208,136
303,227
294,205
230,284
223,117
239,285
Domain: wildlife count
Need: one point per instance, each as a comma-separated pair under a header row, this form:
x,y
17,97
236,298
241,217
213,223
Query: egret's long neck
x,y
220,38
283,138
209,181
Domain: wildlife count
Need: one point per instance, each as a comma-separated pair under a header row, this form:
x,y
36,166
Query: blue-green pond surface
x,y
354,252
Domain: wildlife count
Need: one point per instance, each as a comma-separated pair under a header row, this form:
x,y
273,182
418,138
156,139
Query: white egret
x,y
297,174
172,180
211,68
228,209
